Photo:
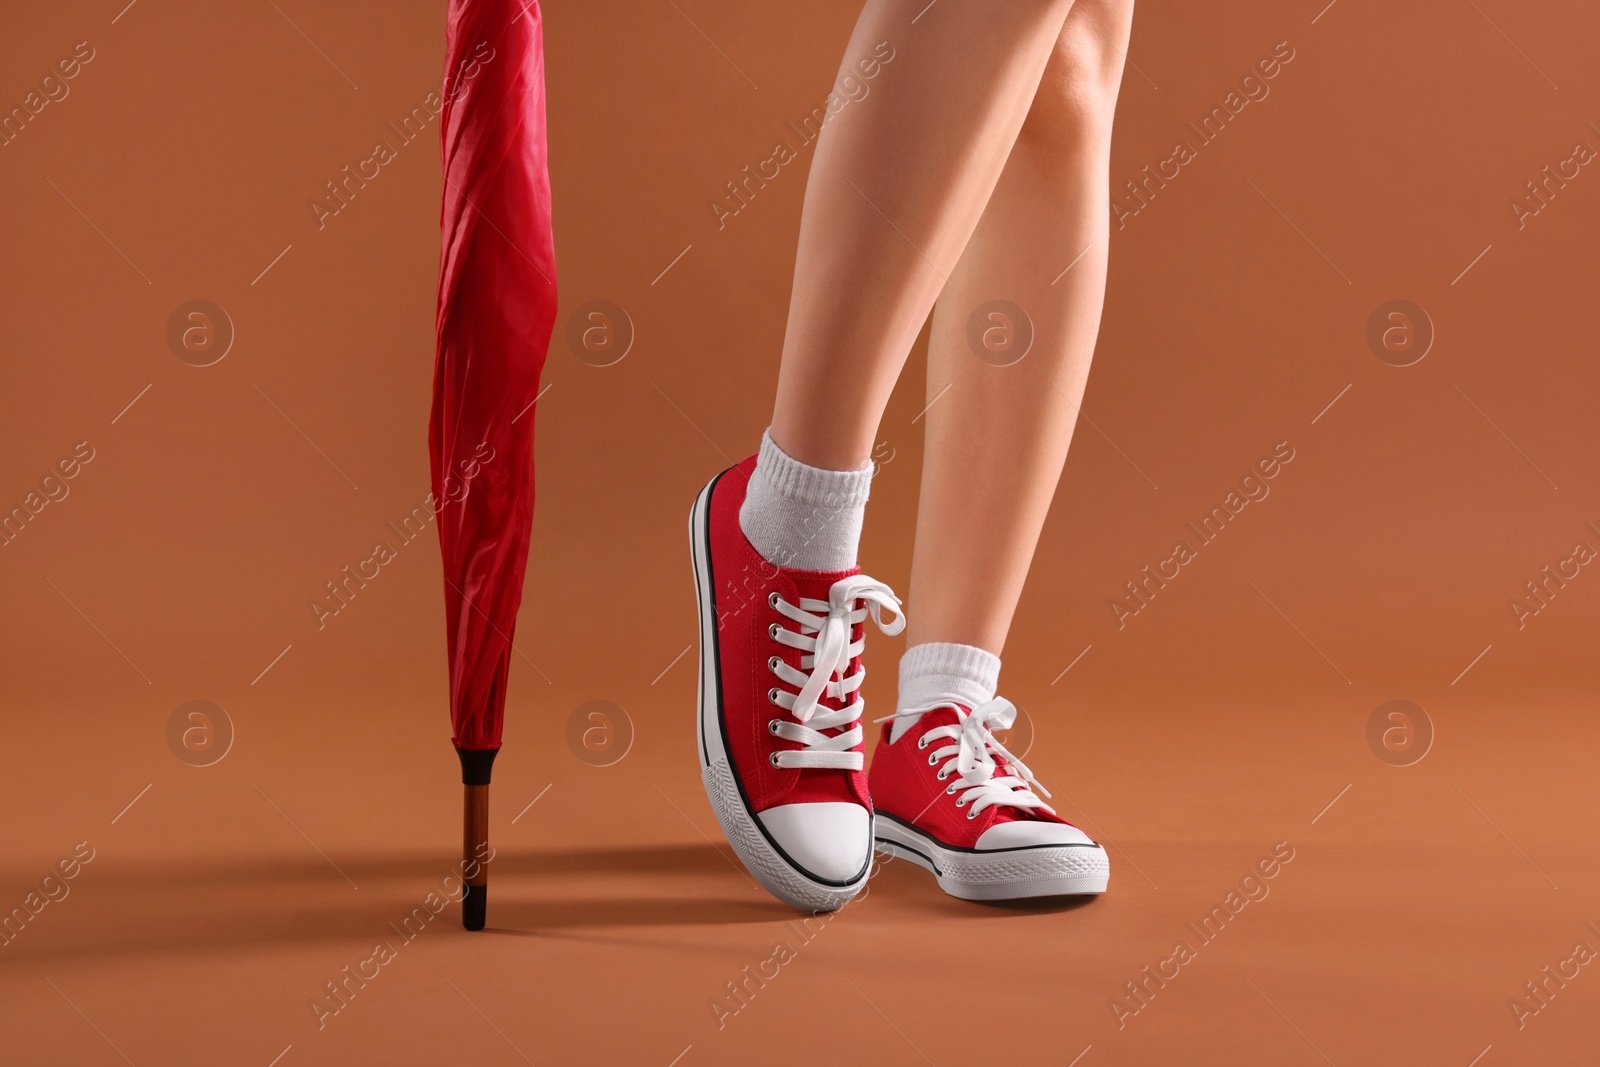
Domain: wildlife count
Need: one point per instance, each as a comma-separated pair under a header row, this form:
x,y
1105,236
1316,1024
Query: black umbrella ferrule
x,y
476,764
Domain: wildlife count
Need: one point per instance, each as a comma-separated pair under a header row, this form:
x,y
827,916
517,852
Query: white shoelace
x,y
824,635
971,754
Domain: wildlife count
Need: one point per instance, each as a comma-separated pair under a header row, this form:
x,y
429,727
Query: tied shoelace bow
x,y
971,756
824,637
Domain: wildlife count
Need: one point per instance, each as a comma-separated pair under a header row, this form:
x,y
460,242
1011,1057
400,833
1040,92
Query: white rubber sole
x,y
760,854
1001,874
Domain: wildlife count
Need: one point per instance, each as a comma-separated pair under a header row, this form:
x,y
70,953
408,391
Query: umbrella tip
x,y
474,908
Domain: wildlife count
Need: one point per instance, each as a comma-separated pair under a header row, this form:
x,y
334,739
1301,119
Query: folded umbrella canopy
x,y
497,306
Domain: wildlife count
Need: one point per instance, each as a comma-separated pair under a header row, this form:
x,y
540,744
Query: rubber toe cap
x,y
829,841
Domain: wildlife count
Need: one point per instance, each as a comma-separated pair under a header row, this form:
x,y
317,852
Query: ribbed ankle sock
x,y
943,670
802,517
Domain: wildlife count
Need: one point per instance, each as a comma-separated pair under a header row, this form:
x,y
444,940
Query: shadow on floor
x,y
214,872
238,902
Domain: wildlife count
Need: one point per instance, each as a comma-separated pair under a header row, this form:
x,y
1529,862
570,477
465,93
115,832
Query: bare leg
x,y
997,440
899,181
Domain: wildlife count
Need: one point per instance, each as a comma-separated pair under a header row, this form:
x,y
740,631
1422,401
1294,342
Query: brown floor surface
x,y
1414,907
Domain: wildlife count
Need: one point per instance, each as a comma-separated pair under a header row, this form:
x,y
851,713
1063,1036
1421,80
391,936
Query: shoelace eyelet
x,y
961,802
973,814
772,727
773,759
773,664
932,759
773,600
922,742
944,773
952,788
772,631
772,695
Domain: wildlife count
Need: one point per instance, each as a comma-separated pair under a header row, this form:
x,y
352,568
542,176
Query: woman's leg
x,y
946,794
997,439
899,181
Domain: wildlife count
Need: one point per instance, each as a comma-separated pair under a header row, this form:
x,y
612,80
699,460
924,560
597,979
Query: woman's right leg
x,y
899,181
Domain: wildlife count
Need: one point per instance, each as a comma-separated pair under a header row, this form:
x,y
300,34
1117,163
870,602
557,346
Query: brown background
x,y
1221,720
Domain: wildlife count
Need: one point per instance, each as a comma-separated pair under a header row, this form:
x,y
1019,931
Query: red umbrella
x,y
497,306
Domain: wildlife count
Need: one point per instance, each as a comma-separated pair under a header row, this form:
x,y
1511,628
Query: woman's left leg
x,y
997,438
948,797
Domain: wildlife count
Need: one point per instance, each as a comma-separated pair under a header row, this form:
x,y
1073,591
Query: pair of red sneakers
x,y
781,742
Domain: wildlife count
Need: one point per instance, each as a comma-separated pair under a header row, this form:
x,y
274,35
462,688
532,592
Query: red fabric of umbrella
x,y
497,307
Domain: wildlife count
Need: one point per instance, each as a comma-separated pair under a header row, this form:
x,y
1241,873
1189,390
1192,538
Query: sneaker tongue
x,y
944,715
817,584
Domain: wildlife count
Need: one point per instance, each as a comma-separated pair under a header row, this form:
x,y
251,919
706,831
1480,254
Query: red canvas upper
x,y
742,583
907,787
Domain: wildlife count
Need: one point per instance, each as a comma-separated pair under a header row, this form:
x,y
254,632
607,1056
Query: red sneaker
x,y
951,799
780,735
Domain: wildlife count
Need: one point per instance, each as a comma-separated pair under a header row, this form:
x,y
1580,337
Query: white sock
x,y
801,517
943,670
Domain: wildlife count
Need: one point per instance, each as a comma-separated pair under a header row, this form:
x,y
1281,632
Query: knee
x,y
1077,97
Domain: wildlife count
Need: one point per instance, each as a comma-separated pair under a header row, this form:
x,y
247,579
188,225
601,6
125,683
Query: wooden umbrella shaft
x,y
474,856
475,853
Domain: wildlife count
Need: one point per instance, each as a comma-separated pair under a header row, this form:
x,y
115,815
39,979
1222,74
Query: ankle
x,y
944,671
803,517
